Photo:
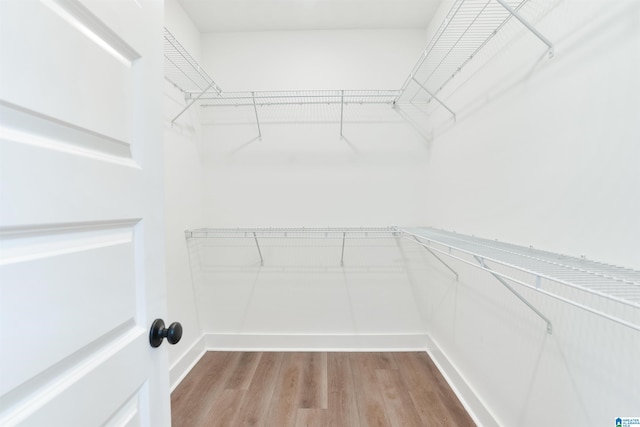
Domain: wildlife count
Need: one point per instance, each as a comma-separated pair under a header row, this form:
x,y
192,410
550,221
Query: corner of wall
x,y
183,201
186,362
463,390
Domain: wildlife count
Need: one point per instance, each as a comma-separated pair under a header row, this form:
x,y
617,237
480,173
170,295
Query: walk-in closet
x,y
320,213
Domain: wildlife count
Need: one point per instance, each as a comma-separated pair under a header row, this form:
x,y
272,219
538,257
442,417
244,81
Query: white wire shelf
x,y
184,72
608,282
336,237
290,233
541,269
468,27
300,97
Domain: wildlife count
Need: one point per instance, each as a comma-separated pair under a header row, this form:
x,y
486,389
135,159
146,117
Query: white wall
x,y
302,174
183,200
544,153
311,60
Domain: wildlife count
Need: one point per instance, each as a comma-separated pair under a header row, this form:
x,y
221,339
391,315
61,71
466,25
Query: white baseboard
x,y
469,399
320,342
183,366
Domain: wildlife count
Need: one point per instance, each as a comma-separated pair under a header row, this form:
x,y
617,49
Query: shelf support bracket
x,y
191,103
341,111
344,235
255,110
520,297
438,258
529,26
434,97
259,251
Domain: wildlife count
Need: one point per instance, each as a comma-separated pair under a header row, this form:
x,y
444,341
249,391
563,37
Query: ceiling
x,y
268,15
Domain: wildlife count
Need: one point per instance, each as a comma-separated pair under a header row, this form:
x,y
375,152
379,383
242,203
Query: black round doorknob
x,y
158,332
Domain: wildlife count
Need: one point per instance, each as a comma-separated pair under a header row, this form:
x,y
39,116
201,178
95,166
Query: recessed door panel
x,y
81,223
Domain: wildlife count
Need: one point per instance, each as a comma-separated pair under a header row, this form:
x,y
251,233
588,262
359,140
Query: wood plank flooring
x,y
316,389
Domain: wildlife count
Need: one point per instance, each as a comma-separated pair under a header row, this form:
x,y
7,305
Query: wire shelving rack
x,y
560,277
301,97
183,71
334,237
468,27
603,281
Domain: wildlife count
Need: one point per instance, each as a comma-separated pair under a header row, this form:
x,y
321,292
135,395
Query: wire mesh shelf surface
x,y
606,282
612,282
294,233
299,97
468,27
302,249
183,71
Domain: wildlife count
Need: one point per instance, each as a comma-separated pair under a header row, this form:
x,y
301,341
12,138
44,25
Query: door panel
x,y
59,58
81,233
78,178
95,280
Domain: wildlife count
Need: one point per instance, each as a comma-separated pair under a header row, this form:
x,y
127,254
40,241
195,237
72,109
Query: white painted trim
x,y
316,342
185,364
476,408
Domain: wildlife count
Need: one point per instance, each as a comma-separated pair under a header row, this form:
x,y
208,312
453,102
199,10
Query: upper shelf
x,y
300,97
467,28
183,71
543,272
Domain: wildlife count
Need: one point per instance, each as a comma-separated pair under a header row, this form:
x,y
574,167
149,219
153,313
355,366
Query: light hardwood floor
x,y
316,389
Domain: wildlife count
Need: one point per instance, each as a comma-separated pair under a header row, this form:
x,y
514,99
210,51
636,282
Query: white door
x,y
82,273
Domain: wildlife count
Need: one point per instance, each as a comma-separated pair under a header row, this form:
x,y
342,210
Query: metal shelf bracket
x,y
516,293
529,26
259,251
255,110
439,259
193,101
341,110
613,283
434,97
